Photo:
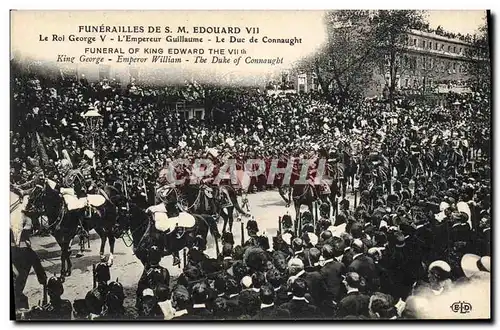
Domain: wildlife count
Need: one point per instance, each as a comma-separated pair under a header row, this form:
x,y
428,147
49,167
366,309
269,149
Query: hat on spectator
x,y
440,264
246,282
148,292
472,264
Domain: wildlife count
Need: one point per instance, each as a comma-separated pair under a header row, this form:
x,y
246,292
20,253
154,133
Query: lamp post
x,y
92,118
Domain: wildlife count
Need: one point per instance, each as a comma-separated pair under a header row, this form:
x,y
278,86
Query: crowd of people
x,y
405,244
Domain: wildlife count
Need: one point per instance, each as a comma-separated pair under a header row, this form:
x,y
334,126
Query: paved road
x,y
266,207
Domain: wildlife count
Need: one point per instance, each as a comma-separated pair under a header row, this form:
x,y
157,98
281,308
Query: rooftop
x,y
438,37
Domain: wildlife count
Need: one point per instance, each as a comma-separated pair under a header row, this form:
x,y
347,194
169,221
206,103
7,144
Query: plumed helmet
x,y
115,293
228,238
55,286
252,226
101,272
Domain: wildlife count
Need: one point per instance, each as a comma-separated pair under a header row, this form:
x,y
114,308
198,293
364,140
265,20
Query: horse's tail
x,y
234,199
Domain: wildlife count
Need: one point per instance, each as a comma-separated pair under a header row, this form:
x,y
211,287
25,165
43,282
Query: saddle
x,y
167,224
75,203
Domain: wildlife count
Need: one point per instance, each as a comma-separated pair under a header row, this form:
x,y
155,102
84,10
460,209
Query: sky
x,y
456,21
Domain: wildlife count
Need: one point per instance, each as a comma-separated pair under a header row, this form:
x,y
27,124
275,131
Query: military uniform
x,y
89,177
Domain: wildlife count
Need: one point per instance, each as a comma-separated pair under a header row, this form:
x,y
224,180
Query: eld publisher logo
x,y
461,307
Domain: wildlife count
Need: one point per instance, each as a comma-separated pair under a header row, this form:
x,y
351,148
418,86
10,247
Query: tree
x,y
479,59
391,28
343,66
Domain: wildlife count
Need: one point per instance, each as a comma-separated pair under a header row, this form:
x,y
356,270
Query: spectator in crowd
x,y
354,303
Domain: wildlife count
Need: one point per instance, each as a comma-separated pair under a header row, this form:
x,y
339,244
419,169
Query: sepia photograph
x,y
320,165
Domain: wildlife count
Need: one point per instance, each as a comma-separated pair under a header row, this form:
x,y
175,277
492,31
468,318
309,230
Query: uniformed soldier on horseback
x,y
88,172
71,185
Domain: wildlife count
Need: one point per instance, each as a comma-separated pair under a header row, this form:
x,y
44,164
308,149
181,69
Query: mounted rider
x,y
322,188
168,216
88,172
75,184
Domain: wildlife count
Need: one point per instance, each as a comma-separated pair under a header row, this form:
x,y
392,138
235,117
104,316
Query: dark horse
x,y
105,220
62,224
214,200
300,194
140,223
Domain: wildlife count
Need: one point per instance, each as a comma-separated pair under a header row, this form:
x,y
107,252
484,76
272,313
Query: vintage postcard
x,y
250,165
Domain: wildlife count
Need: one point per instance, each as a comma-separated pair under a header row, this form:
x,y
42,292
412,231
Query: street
x,y
265,206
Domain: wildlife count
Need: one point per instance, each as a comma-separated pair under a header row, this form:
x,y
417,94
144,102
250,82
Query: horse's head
x,y
123,215
37,199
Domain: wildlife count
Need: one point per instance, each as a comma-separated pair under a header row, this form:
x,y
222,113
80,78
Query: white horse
x,y
17,205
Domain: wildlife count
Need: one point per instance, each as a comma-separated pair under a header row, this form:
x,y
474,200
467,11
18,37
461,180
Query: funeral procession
x,y
353,185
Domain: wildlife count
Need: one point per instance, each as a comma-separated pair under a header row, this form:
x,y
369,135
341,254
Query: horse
x,y
300,194
17,207
402,164
105,220
218,200
141,226
62,223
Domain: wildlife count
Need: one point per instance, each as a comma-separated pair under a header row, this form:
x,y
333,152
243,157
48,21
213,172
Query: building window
x,y
430,45
407,81
454,49
423,43
423,62
442,47
449,48
415,42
